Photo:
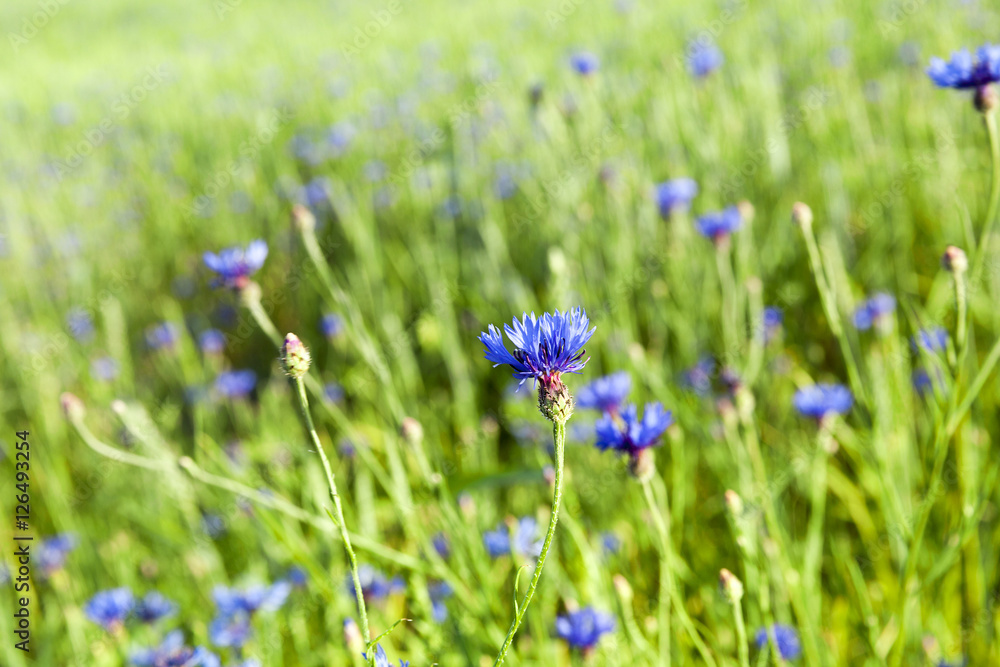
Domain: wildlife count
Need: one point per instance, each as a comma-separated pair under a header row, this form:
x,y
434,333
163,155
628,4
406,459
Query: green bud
x,y
732,587
954,260
295,357
555,401
72,406
642,465
802,215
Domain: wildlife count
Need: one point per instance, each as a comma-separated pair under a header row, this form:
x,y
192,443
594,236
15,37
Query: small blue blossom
x,y
874,311
339,137
52,552
374,584
584,62
331,325
110,608
153,607
173,653
786,639
315,194
232,601
821,400
439,592
80,324
382,660
235,384
583,629
234,266
610,543
964,72
497,541
232,631
931,340
442,546
212,341
703,58
525,542
720,224
675,195
162,336
629,435
333,392
104,368
297,576
773,319
544,348
605,394
698,378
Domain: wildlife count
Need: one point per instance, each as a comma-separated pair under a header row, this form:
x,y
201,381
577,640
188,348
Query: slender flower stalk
x,y
732,589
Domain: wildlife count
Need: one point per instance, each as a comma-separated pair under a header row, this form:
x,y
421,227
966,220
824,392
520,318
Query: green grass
x,y
894,169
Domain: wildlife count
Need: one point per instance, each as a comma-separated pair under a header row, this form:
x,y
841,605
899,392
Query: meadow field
x,y
576,332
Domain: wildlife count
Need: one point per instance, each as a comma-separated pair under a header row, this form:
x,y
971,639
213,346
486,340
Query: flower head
x,y
786,639
110,608
52,552
583,629
773,318
162,336
584,62
931,340
173,653
382,660
698,378
230,630
629,434
874,311
374,584
153,607
605,394
524,543
438,593
703,58
212,341
720,224
234,266
232,601
295,357
965,72
331,325
104,368
544,347
821,400
80,324
235,384
675,195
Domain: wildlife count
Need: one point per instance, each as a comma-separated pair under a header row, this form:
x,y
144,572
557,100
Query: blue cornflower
x,y
442,546
297,576
773,319
606,394
382,660
675,195
339,137
236,265
544,348
235,384
610,543
331,325
963,72
153,607
374,584
931,340
52,552
786,639
333,392
230,631
438,593
162,336
212,341
173,653
698,378
504,181
703,58
80,324
110,608
104,368
821,400
584,62
231,601
720,224
583,629
628,434
498,542
874,311
315,193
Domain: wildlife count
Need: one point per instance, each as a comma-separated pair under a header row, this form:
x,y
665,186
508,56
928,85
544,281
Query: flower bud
x,y
734,503
746,210
352,636
250,293
554,400
295,357
732,587
623,588
802,215
986,99
412,431
72,406
954,260
303,219
642,464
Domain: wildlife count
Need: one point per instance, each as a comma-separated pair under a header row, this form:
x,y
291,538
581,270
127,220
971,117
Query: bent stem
x,y
338,515
741,634
991,209
559,439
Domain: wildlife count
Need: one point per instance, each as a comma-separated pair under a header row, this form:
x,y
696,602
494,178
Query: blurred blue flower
x,y
173,653
235,384
773,319
258,597
153,607
438,593
442,546
930,340
374,584
525,543
964,72
821,400
703,58
610,543
675,195
786,639
698,378
375,171
297,576
80,324
52,552
212,341
339,137
382,660
874,311
234,266
110,608
628,434
315,194
162,336
583,629
504,182
231,630
104,368
544,347
331,325
606,393
584,62
333,392
720,224
213,525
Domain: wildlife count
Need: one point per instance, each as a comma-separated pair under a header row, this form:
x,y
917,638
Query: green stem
x,y
741,634
339,515
559,439
814,540
961,304
991,209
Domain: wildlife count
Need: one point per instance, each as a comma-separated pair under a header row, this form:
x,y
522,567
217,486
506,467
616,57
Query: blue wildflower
x,y
931,340
773,319
234,266
382,660
162,336
874,311
331,325
964,72
544,348
104,368
258,597
675,195
212,341
374,584
333,392
235,384
698,378
339,137
610,543
153,607
297,576
629,435
497,541
110,608
438,593
52,552
232,631
583,629
442,546
173,653
821,400
80,324
786,639
525,543
605,394
703,58
584,62
720,224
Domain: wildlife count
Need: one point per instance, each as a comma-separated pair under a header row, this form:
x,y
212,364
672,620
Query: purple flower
x,y
230,631
628,434
173,653
698,378
525,542
720,224
544,348
110,608
235,384
821,400
234,266
80,324
931,340
374,584
773,319
104,368
964,72
331,325
786,639
605,394
583,629
675,195
153,607
212,341
258,597
439,592
703,58
162,336
333,392
875,311
584,63
52,552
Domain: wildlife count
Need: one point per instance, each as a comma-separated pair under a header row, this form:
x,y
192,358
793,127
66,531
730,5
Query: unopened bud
x,y
72,406
954,260
732,587
802,215
734,503
642,464
295,357
549,473
303,219
412,431
746,210
352,636
250,293
554,400
986,99
623,588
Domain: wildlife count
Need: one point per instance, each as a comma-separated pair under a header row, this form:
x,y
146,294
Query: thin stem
x,y
559,439
815,532
741,634
991,209
723,261
338,513
961,304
